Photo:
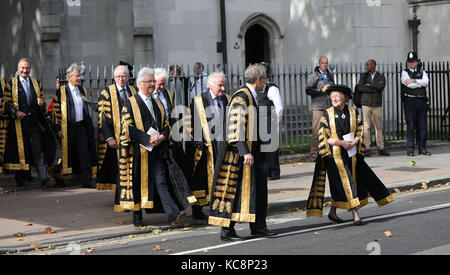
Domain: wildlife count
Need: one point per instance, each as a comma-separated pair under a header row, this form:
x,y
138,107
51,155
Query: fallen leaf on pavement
x,y
164,240
168,250
187,229
123,243
20,239
396,190
35,245
157,247
316,233
131,236
424,185
79,215
388,234
90,250
19,234
206,250
49,230
28,224
121,221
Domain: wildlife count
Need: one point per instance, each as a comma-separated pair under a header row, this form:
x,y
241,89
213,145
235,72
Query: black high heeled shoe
x,y
335,219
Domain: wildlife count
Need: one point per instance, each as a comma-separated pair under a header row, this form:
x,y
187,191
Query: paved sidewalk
x,y
75,213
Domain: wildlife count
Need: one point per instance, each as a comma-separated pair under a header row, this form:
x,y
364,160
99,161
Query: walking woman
x,y
341,156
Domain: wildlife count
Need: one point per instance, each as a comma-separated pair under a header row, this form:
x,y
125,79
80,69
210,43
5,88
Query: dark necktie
x,y
123,96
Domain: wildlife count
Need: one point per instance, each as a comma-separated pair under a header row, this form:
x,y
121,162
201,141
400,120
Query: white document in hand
x,y
150,132
350,137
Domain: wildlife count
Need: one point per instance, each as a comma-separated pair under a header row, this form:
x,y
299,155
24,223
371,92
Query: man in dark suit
x,y
207,121
149,179
25,106
73,124
110,103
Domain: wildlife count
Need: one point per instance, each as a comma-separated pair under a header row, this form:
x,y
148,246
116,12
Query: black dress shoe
x,y
410,154
274,178
266,233
176,220
197,213
335,219
425,152
137,219
358,222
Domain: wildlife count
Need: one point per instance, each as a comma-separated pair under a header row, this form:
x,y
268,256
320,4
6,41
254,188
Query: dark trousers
x,y
416,121
81,148
158,171
272,164
33,141
261,203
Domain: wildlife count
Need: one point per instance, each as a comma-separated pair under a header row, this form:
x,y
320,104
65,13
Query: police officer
x,y
414,95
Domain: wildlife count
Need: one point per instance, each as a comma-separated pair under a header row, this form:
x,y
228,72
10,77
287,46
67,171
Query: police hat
x,y
412,56
340,88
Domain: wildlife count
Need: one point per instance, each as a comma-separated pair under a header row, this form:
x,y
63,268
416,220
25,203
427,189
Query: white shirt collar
x,y
323,72
71,88
120,88
144,97
252,90
22,79
212,95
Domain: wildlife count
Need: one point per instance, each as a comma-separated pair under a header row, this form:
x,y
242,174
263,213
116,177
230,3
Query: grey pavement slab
x,y
74,212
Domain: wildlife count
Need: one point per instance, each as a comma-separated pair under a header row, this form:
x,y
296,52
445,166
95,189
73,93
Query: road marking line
x,y
403,213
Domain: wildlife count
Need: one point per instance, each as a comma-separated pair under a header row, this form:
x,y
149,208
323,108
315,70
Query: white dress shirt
x,y
77,102
419,82
254,93
274,95
199,86
162,99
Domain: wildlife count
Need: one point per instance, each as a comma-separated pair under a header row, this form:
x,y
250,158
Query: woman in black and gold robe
x,y
351,179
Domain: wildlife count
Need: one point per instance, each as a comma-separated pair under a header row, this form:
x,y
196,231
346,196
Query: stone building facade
x,y
55,33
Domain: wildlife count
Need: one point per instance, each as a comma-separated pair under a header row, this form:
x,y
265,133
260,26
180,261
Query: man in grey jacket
x,y
371,86
316,86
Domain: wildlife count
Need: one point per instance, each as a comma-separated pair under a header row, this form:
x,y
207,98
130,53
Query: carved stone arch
x,y
263,20
275,35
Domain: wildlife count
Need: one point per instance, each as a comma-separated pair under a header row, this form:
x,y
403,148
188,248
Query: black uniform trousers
x,y
416,121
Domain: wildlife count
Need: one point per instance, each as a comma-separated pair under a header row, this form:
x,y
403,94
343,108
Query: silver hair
x,y
24,59
253,72
143,72
122,67
212,78
72,68
161,72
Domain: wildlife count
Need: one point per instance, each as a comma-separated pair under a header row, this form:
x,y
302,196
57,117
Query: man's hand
x,y
59,134
155,140
112,143
40,102
324,88
20,115
248,159
409,81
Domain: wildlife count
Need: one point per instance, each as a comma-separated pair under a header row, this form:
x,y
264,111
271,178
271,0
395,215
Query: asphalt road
x,y
418,222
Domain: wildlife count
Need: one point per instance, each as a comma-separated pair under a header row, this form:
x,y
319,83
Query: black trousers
x,y
416,122
158,172
33,141
261,203
80,146
272,164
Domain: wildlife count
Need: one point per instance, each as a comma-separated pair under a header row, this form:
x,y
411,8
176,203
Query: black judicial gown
x,y
351,179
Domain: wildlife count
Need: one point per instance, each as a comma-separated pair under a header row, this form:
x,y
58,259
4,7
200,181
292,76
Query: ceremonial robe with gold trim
x,y
200,158
351,179
17,154
63,119
4,86
109,116
137,190
233,196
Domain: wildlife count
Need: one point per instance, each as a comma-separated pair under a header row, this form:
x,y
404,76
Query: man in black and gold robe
x,y
149,179
30,140
208,125
239,192
73,125
351,179
110,103
4,87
